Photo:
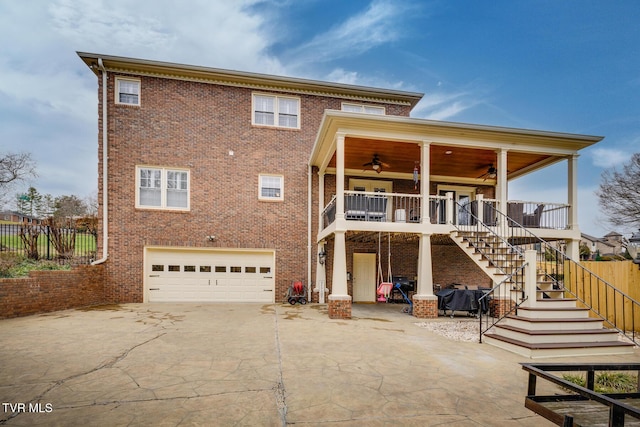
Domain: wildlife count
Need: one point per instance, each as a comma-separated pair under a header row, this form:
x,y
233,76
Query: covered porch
x,y
419,181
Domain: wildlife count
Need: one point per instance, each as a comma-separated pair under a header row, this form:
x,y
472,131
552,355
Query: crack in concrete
x,y
161,399
58,383
279,389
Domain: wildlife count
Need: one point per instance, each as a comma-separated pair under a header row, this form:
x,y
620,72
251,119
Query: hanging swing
x,y
384,288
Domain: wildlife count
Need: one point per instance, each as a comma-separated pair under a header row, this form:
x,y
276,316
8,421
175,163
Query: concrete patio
x,y
250,364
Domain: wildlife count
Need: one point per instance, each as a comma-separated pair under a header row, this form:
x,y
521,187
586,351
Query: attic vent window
x,y
361,108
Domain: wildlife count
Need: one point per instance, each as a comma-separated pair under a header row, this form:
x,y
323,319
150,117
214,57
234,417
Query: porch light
x,y
322,256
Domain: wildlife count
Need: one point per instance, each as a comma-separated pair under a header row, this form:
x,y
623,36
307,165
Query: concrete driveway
x,y
250,364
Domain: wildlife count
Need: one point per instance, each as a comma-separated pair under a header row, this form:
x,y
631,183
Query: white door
x,y
209,275
364,277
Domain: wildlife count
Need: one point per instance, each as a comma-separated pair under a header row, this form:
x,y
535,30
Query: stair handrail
x,y
516,232
613,297
501,307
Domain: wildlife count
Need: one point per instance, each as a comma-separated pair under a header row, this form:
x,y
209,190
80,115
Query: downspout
x,y
309,244
105,210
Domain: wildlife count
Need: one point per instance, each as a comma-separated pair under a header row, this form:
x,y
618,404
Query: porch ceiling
x,y
454,161
355,236
396,141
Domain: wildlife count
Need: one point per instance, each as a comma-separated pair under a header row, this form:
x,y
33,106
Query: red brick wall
x,y
45,291
452,265
194,125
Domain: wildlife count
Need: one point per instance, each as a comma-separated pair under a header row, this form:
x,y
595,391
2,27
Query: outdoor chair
x,y
533,220
355,207
377,208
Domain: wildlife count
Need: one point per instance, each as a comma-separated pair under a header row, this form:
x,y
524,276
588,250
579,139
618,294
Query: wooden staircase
x,y
550,326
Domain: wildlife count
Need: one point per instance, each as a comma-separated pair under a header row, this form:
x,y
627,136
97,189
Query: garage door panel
x,y
198,275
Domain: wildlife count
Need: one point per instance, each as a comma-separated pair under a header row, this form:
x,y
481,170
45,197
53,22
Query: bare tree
x,y
619,194
15,167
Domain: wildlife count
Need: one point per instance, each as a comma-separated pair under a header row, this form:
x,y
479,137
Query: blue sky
x,y
567,66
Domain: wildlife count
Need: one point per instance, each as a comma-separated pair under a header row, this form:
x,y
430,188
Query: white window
x,y
127,91
162,188
360,108
271,187
277,111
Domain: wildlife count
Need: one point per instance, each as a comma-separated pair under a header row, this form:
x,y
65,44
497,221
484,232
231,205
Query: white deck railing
x,y
407,208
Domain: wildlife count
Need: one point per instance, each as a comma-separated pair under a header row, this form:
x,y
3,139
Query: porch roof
x,y
457,149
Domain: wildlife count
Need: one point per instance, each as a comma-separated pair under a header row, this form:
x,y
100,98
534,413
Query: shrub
x,y
12,265
608,382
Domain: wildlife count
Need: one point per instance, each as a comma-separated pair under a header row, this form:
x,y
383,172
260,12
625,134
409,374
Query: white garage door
x,y
209,275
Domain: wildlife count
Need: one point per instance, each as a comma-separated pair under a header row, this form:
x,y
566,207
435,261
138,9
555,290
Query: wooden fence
x,y
625,276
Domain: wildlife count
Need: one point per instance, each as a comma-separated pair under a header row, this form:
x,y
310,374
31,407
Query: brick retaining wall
x,y
45,291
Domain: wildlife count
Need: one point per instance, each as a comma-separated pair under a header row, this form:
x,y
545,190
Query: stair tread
x,y
555,299
603,331
542,346
552,308
552,320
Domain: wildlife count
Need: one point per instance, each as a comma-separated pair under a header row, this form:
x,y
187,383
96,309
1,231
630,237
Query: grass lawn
x,y
84,243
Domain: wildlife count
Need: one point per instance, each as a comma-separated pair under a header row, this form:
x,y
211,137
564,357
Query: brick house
x,y
219,185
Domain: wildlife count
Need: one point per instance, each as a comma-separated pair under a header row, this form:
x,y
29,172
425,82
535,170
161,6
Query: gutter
x,y
105,198
309,242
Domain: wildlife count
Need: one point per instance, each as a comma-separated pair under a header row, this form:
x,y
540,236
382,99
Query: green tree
x,y
30,203
69,206
585,252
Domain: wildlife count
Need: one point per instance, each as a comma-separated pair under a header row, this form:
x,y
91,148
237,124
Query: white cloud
x,y
48,97
377,25
607,158
444,106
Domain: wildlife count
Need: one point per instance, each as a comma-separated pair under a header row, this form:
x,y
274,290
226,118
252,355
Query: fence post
x,y
480,207
450,207
48,242
530,279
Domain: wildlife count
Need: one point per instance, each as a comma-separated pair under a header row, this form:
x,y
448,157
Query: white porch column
x,y
339,300
501,185
572,188
339,282
425,268
321,276
425,162
425,303
339,177
573,249
321,204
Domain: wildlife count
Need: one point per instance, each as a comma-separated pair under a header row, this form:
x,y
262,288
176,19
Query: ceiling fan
x,y
491,173
376,164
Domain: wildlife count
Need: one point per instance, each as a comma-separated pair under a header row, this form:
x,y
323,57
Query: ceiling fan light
x,y
376,167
